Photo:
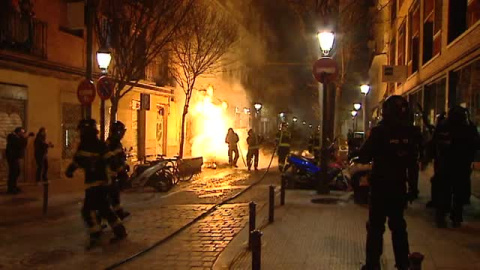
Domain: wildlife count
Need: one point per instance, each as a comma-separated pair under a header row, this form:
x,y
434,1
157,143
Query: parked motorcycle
x,y
302,172
157,174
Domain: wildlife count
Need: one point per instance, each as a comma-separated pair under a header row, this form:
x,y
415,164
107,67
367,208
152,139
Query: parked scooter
x,y
302,172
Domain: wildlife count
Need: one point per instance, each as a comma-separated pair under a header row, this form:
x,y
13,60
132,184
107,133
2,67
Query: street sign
x,y
86,92
105,87
144,102
325,70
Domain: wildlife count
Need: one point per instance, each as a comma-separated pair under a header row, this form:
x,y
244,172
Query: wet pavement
x,y
58,240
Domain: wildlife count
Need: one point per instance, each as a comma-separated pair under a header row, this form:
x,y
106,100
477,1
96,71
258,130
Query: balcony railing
x,y
23,34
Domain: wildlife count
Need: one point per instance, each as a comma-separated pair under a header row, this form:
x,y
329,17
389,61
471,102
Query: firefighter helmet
x,y
117,129
395,110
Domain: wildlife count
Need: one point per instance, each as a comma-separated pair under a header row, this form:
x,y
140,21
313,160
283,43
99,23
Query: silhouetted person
x,y
431,153
16,143
455,141
232,140
391,148
41,150
253,142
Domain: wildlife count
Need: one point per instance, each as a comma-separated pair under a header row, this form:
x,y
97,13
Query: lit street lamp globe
x,y
294,119
304,122
357,106
310,126
365,88
354,113
257,106
282,114
326,41
103,59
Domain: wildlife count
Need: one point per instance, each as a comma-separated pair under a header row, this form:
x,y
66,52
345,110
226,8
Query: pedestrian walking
x,y
253,142
118,167
16,143
232,140
455,141
41,149
91,157
391,148
283,140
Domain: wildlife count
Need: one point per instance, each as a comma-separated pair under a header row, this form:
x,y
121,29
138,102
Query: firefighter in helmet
x,y
314,144
253,142
283,140
90,156
118,169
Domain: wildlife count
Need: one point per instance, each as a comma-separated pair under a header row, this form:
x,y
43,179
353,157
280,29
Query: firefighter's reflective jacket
x,y
283,138
90,157
314,143
116,157
253,142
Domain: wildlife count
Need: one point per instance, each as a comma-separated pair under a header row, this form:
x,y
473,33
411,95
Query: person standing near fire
x,y
232,141
253,142
283,140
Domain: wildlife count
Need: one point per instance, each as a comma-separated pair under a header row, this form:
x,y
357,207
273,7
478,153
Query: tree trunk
x,y
182,132
113,111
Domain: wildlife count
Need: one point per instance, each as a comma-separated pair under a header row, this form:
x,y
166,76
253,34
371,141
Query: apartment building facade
x,y
436,45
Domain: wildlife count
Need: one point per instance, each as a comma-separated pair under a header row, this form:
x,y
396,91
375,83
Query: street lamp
x,y
258,116
364,89
258,106
104,56
326,41
357,106
304,122
294,119
354,119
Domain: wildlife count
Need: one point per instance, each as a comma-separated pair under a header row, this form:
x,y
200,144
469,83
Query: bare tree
x,y
136,32
206,38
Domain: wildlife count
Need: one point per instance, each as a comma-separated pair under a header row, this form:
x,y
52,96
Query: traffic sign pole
x,y
325,71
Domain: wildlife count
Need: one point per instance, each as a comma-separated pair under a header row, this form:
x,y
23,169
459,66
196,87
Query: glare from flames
x,y
210,125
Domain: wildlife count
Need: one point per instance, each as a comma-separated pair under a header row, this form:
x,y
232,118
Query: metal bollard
x,y
416,259
271,204
282,190
256,236
251,221
45,197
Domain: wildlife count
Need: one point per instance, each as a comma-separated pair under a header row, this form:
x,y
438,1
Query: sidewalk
x,y
28,204
332,236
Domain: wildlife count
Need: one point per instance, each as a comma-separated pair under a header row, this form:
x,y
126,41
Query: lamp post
x,y
325,39
258,116
103,60
364,89
354,119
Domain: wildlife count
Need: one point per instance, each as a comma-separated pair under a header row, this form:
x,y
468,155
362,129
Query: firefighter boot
x,y
120,233
122,214
94,240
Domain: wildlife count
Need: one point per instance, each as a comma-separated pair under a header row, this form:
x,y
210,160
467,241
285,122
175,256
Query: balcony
x,y
23,34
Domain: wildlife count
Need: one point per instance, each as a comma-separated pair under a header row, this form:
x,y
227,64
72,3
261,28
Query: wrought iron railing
x,y
23,34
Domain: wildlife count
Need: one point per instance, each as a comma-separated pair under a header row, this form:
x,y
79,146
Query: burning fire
x,y
209,128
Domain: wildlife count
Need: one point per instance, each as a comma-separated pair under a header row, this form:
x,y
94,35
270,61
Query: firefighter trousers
x,y
282,152
96,201
252,156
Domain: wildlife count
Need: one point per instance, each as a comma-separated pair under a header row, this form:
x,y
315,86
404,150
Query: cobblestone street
x,y
58,241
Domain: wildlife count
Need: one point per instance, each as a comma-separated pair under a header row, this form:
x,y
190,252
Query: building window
x,y
432,25
434,101
413,38
473,12
457,18
401,45
393,12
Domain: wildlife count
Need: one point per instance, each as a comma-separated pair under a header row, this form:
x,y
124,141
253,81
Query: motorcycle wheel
x,y
161,181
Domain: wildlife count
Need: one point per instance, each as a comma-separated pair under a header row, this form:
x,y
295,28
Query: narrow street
x,y
58,242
